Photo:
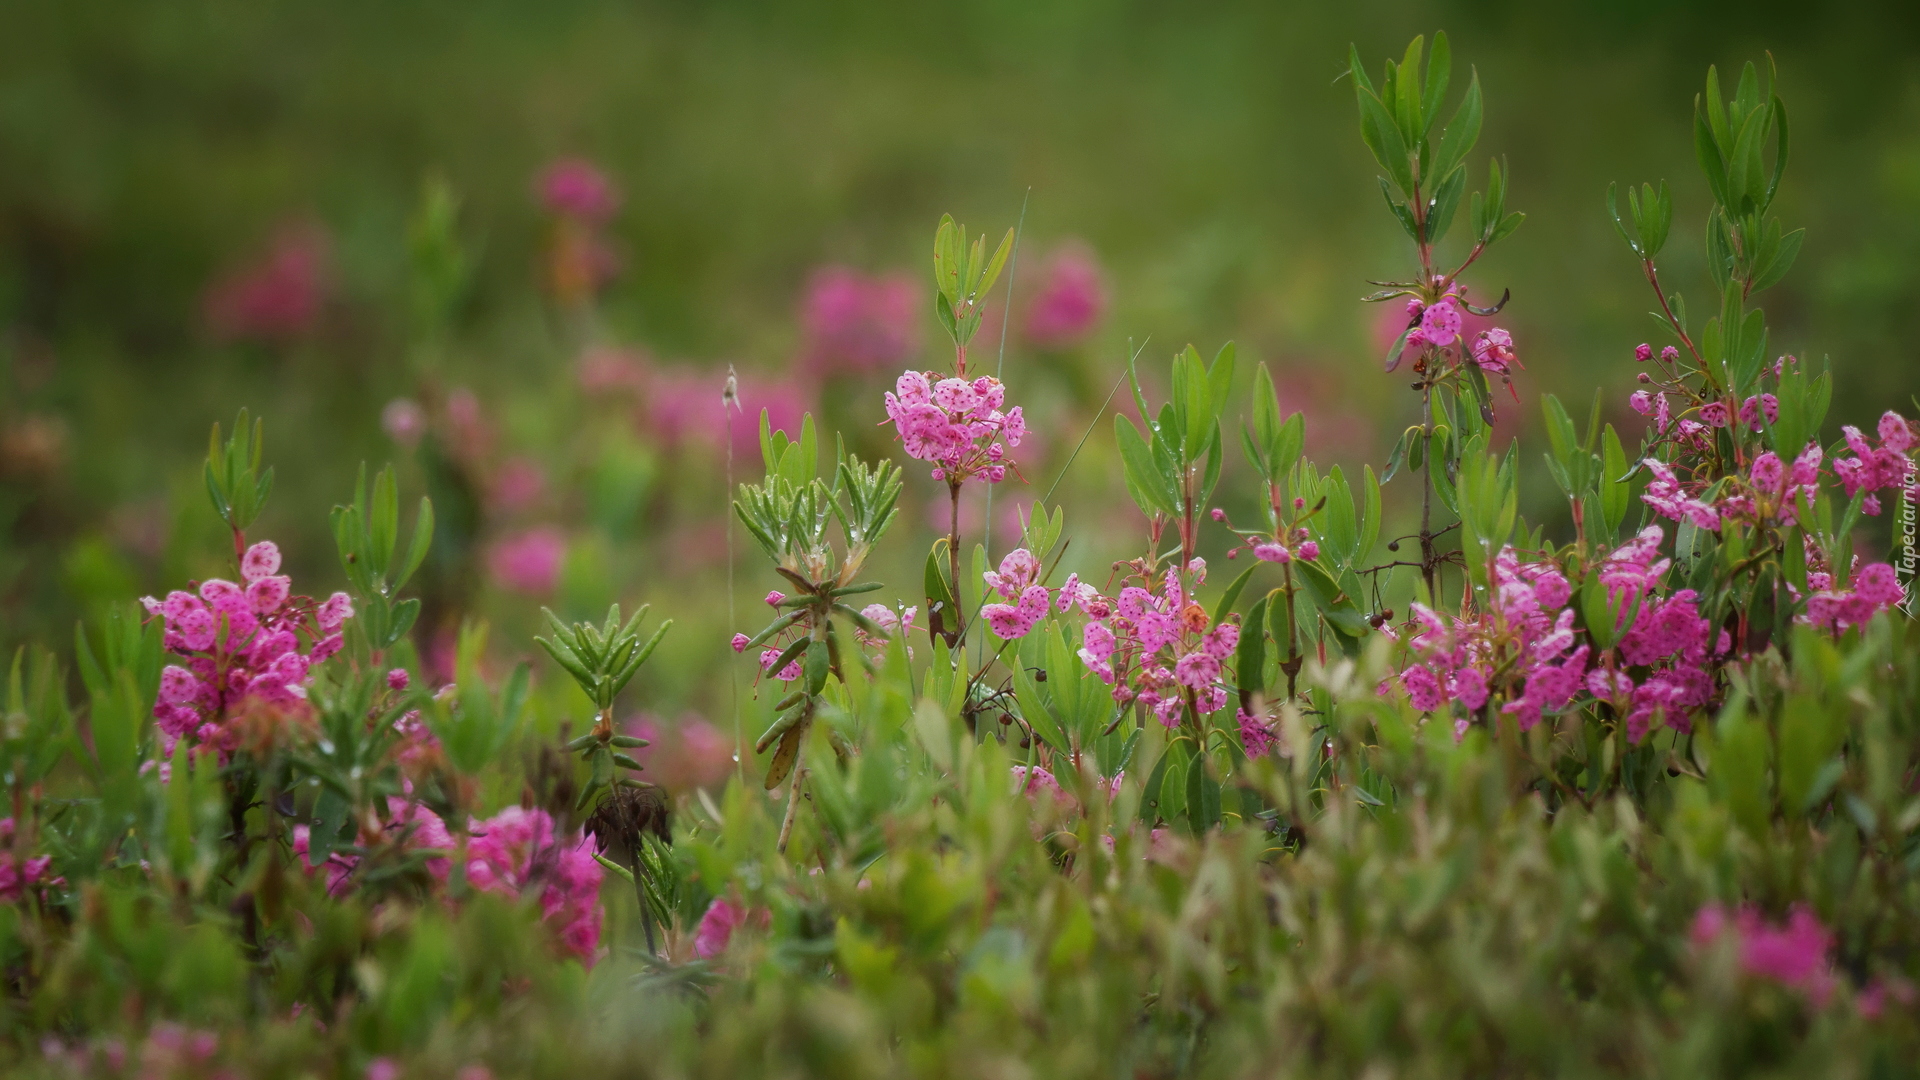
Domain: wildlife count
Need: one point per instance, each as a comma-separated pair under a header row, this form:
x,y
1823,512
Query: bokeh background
x,y
513,248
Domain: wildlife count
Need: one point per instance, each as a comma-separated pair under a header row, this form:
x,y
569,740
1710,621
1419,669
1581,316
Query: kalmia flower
x,y
857,324
722,918
1493,351
956,425
1794,954
19,876
1070,301
1885,466
1669,497
240,643
1876,587
1255,735
892,624
1514,650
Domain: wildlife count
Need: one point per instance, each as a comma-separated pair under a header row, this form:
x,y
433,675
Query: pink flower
x,y
276,297
528,562
1255,735
853,323
1196,670
1070,301
575,187
17,877
516,852
1714,414
740,642
1876,587
1034,780
1794,954
1018,569
1666,495
1440,322
518,484
1753,407
236,643
1643,352
1493,350
404,421
722,918
1274,553
955,425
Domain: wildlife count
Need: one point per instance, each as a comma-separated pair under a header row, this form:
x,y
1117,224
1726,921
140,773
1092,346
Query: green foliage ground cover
x,y
389,851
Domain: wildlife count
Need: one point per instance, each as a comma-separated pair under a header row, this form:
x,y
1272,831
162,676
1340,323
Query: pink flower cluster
x,y
1520,650
1876,588
857,324
1794,954
240,642
1035,782
1516,648
1773,490
528,562
1070,301
956,424
17,875
1885,466
1256,735
1162,650
1157,649
575,187
510,854
1026,602
1670,498
276,297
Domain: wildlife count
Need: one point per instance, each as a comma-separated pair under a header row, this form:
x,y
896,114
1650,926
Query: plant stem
x,y
953,562
793,798
1428,565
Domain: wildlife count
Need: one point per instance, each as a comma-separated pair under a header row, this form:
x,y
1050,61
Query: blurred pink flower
x,y
528,562
1070,301
577,188
853,323
403,421
277,295
517,484
609,370
1334,429
1793,954
684,407
468,433
723,917
690,753
516,850
16,878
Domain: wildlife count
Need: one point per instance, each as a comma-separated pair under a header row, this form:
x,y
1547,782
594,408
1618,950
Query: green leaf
x,y
1462,131
1144,478
1250,656
1382,135
1782,261
1439,71
1227,599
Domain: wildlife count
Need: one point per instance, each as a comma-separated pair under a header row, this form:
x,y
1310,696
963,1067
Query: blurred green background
x,y
158,161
